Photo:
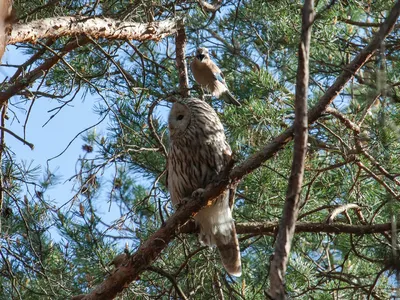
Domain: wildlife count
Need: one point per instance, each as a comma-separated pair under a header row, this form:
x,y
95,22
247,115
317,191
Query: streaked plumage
x,y
209,76
199,152
6,16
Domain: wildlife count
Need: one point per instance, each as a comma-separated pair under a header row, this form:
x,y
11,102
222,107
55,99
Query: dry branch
x,y
341,209
92,27
211,7
151,31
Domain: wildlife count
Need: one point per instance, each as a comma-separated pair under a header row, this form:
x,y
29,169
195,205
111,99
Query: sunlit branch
x,y
92,27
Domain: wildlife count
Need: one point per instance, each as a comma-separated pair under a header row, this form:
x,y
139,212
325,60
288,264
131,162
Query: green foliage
x,y
53,250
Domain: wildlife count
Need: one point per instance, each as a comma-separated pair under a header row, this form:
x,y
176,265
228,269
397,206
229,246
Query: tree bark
x,y
92,27
292,203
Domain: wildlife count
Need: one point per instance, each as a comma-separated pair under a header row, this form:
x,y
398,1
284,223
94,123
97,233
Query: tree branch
x,y
292,203
308,227
27,79
180,43
92,27
152,31
25,142
152,247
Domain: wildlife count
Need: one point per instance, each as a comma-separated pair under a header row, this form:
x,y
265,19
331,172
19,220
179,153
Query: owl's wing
x,y
232,189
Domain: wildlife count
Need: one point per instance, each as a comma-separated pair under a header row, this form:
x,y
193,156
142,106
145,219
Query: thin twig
x,y
32,146
170,278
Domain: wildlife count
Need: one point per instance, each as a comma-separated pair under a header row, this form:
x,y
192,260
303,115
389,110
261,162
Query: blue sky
x,y
50,140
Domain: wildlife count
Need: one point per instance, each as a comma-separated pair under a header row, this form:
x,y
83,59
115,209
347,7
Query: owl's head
x,y
194,117
179,119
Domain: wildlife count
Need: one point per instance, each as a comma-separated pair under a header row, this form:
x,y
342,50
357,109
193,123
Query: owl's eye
x,y
180,117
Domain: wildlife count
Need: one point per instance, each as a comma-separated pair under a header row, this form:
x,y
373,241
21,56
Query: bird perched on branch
x,y
209,76
199,152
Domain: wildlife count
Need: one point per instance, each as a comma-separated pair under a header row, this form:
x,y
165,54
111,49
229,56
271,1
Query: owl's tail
x,y
230,253
218,228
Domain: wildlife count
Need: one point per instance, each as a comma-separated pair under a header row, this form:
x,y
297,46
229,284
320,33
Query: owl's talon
x,y
197,193
180,204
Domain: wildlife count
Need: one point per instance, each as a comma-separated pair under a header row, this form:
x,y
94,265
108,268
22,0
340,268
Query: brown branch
x,y
150,249
158,31
92,27
292,203
263,228
180,43
361,24
25,142
379,180
153,130
267,227
343,119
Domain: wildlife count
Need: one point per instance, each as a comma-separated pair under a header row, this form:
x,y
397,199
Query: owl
x,y
198,153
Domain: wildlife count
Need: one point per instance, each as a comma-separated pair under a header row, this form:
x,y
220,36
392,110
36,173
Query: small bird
x,y
198,152
209,76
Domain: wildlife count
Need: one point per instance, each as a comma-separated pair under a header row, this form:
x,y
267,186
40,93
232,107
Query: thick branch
x,y
92,27
152,31
308,227
264,228
292,203
180,43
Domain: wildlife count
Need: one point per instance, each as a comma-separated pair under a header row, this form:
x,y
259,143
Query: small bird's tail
x,y
228,98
